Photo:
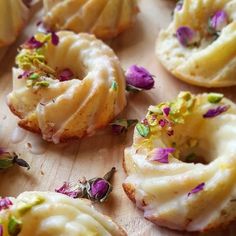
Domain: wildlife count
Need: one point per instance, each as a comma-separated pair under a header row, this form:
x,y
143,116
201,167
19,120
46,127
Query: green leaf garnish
x,y
143,130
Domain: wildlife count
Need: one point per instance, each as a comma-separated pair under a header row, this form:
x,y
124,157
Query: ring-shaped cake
x,y
103,18
66,85
182,165
51,214
198,46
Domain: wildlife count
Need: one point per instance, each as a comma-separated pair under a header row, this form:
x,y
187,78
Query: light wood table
x,y
95,155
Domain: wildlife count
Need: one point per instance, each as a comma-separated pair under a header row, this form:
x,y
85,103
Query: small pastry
x,y
104,18
66,85
14,14
198,47
13,17
51,214
182,165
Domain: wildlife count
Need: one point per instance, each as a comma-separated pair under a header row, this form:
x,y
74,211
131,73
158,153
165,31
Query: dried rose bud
x,y
122,125
25,74
65,75
166,110
99,189
211,113
54,38
8,160
187,36
32,43
76,191
139,77
5,203
218,21
161,155
96,189
197,189
162,122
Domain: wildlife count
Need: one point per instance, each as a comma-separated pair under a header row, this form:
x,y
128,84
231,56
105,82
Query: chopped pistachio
x,y
215,97
42,83
14,226
41,37
23,207
143,130
29,83
34,76
185,95
114,85
43,67
156,110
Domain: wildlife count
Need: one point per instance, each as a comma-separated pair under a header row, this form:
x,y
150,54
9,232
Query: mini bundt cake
x,y
198,47
104,18
66,85
52,214
182,165
14,14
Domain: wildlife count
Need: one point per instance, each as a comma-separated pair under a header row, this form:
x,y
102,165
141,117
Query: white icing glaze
x,y
161,190
18,135
79,106
58,214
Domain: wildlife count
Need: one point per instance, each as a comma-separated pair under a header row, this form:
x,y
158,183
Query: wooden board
x,y
95,155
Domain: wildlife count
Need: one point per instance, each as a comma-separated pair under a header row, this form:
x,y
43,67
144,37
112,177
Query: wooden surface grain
x,y
95,155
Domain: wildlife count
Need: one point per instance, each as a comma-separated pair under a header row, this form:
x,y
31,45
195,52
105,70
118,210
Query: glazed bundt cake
x,y
182,165
199,44
13,16
51,214
66,85
104,18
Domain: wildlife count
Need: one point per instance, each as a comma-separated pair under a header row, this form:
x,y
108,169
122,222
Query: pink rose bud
x,y
162,155
139,77
218,21
187,36
65,75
